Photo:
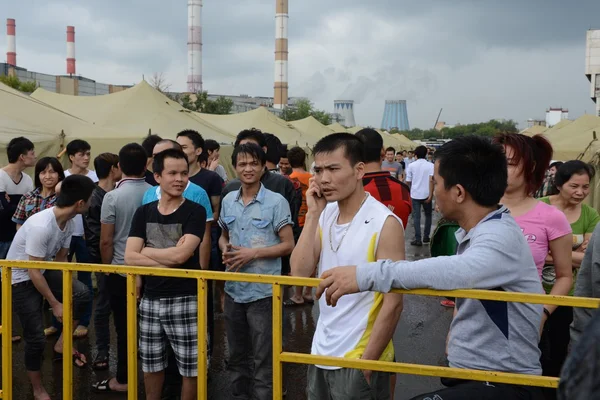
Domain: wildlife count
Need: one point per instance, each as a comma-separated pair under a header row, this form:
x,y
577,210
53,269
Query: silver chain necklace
x,y
346,230
175,209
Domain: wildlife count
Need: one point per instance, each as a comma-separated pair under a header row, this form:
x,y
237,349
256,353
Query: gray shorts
x,y
346,384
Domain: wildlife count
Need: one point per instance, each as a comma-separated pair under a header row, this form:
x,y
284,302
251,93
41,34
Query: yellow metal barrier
x,y
279,357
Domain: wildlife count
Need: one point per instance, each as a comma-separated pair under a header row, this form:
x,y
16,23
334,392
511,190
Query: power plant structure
x,y
194,81
395,116
11,42
71,50
280,98
345,109
592,65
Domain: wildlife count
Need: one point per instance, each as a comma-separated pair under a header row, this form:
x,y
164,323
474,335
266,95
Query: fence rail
x,y
279,356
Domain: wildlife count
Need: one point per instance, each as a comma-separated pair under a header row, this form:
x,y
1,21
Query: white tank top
x,y
345,330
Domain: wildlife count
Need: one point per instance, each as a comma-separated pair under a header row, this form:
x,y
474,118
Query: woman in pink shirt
x,y
546,229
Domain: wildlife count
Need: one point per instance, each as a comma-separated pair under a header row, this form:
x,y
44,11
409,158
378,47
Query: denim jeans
x,y
346,383
116,288
427,207
102,313
249,328
28,305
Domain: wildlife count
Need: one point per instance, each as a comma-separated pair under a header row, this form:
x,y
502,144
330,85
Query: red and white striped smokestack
x,y
70,50
281,54
11,36
194,81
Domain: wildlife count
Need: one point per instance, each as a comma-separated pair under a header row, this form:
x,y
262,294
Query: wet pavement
x,y
419,338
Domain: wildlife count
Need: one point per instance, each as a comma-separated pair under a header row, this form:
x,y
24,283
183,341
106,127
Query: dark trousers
x,y
249,329
427,208
102,314
554,344
346,384
28,305
118,304
474,390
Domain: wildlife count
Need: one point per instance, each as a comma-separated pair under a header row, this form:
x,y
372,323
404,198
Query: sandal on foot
x,y
101,361
292,303
104,387
80,332
50,331
77,356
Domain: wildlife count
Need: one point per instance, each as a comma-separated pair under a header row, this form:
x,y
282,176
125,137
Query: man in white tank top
x,y
353,226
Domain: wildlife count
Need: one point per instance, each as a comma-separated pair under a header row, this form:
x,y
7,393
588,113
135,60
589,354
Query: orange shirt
x,y
302,178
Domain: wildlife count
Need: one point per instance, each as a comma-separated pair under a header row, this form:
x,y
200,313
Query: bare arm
x,y
62,255
205,247
282,249
578,254
391,246
174,256
107,233
223,240
561,253
430,188
133,254
215,202
308,249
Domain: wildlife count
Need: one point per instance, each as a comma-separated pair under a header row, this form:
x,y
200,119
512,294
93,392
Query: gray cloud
x,y
478,60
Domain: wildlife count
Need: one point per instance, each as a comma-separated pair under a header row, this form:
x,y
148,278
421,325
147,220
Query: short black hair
x,y
354,148
203,158
391,149
41,166
421,152
73,189
211,145
18,147
477,164
194,136
297,157
575,167
158,165
255,134
77,146
104,163
372,142
172,142
149,142
556,164
132,159
249,149
275,149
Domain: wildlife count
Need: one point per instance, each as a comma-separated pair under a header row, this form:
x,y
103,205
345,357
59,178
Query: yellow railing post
x,y
132,345
7,333
277,346
67,334
202,328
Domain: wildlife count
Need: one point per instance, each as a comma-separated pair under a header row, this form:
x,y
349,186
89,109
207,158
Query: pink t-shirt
x,y
541,225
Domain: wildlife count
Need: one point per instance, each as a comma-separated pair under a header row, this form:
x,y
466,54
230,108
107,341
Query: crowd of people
x,y
169,203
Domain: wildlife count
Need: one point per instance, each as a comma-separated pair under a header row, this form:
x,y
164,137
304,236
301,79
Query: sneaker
x,y
416,243
426,240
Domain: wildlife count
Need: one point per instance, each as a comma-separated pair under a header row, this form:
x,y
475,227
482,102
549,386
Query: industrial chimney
x,y
11,51
281,54
194,81
70,50
395,115
345,109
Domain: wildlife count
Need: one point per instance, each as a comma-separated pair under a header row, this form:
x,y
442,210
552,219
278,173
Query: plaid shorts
x,y
174,321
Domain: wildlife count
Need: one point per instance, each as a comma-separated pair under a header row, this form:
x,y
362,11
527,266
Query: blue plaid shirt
x,y
255,225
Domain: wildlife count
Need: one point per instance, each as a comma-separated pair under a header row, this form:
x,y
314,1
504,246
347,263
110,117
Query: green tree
x,y
15,83
304,109
203,104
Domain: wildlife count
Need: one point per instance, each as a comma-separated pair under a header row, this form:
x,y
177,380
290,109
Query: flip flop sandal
x,y
80,332
77,356
101,361
292,303
104,387
50,331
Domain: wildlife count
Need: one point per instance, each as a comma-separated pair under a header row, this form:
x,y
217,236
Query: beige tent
x,y
337,127
534,130
575,139
261,119
45,126
133,112
311,127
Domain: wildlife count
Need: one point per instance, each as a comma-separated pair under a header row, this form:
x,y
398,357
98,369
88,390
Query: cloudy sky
x,y
476,59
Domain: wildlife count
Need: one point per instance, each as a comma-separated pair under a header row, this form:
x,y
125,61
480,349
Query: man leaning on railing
x,y
43,237
470,178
